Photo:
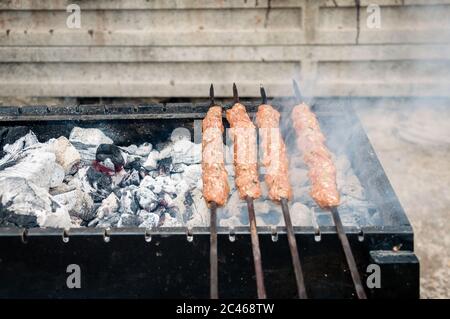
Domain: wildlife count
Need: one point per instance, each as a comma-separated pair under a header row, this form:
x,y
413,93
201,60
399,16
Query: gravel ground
x,y
412,140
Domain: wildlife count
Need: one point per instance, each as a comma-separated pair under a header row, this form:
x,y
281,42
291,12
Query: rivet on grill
x,y
24,236
148,236
106,236
317,235
65,236
232,235
397,248
189,235
274,234
361,235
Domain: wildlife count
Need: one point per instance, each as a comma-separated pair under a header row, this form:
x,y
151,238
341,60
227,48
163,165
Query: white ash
x,y
14,150
24,204
66,154
37,166
89,136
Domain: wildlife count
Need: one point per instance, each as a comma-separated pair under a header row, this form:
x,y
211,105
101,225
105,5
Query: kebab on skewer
x,y
243,134
215,179
276,163
322,174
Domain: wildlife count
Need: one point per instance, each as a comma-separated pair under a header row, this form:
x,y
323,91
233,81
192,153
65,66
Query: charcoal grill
x,y
174,262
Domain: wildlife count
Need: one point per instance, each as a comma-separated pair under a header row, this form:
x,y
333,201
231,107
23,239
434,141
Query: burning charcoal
x,y
152,161
108,163
173,212
118,178
142,173
22,197
178,168
164,166
132,179
78,203
187,215
129,220
10,219
186,152
200,216
111,151
109,206
86,142
98,180
128,202
144,149
155,185
110,221
147,199
188,200
151,220
133,164
66,154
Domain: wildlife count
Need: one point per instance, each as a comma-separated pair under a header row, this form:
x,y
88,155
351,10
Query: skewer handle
x,y
301,290
348,254
261,289
214,285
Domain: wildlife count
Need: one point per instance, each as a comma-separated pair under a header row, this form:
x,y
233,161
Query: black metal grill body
x,y
174,262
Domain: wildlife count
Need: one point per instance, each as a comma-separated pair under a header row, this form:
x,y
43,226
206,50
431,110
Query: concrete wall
x,y
177,47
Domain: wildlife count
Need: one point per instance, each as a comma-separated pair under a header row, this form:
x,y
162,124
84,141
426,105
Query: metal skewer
x,y
301,290
348,254
341,233
214,285
214,280
260,287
